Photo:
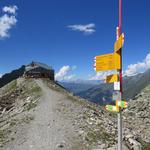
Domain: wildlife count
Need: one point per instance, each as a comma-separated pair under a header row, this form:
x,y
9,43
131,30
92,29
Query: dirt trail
x,y
49,130
57,124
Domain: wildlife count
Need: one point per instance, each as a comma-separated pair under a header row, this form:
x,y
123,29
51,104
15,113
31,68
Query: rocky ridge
x,y
137,119
16,100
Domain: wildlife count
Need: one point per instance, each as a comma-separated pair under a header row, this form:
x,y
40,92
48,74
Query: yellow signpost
x,y
107,62
112,78
119,43
117,58
112,108
122,104
113,61
104,57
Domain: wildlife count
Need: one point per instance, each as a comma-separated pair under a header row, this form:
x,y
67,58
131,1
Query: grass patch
x,y
105,136
35,89
30,106
27,119
14,85
95,136
12,139
145,145
11,86
2,137
13,122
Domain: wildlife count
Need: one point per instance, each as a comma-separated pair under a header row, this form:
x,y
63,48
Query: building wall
x,y
40,72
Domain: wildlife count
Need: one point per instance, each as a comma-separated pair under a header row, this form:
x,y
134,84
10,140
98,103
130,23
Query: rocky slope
x,y
137,118
33,110
16,100
41,115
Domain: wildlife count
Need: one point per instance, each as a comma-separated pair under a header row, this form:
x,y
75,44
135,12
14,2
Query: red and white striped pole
x,y
120,75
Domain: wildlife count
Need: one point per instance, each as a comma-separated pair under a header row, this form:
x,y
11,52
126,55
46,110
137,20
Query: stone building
x,y
38,70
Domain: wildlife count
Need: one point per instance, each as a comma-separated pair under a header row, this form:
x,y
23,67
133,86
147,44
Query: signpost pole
x,y
120,75
113,61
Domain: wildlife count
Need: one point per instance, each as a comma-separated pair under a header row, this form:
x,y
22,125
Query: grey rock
x,y
136,144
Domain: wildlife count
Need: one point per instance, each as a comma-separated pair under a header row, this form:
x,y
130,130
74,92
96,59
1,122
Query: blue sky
x,y
41,31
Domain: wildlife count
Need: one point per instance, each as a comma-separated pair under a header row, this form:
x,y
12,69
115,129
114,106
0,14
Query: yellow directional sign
x,y
105,57
107,62
117,60
112,78
112,108
119,43
122,104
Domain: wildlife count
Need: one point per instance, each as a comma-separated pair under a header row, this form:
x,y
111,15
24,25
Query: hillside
x,y
77,87
40,110
137,117
102,93
133,85
8,77
40,115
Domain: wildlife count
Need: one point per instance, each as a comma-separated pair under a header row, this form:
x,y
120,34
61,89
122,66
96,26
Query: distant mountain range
x,y
133,85
8,77
79,85
102,93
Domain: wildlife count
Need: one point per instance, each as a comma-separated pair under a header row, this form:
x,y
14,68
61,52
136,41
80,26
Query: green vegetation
x,y
2,137
35,89
30,105
146,146
26,93
13,122
27,119
12,138
12,86
95,136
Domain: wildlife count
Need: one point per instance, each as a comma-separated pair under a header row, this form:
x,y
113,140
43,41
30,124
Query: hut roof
x,y
34,65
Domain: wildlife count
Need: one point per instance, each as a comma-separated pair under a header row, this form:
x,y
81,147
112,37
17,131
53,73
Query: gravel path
x,y
57,124
50,129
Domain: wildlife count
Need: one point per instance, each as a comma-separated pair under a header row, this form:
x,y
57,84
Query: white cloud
x,y
134,69
86,29
63,73
1,75
147,60
101,75
70,77
10,9
7,22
